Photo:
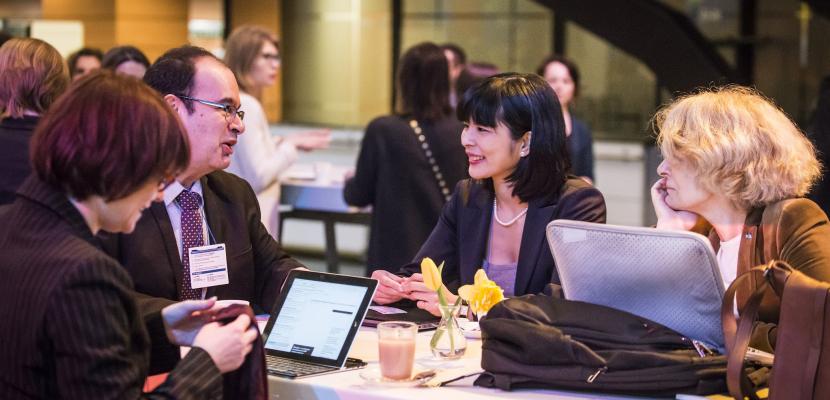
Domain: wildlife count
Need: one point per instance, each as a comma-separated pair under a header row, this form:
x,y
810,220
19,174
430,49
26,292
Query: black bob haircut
x,y
121,54
522,103
573,71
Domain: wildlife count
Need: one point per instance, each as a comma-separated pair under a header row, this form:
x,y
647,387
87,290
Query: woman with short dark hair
x,y
83,62
72,328
563,76
127,60
409,162
514,137
32,76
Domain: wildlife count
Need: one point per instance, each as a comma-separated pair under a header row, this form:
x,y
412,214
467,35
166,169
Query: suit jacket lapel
x,y
473,229
538,216
171,247
748,254
216,224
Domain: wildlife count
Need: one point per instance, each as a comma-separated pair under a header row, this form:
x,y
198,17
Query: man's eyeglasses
x,y
227,108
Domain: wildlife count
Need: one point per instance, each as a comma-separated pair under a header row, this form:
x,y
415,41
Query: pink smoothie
x,y
396,358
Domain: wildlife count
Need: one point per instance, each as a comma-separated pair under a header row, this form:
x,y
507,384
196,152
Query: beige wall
x,y
98,17
265,13
20,9
151,25
336,64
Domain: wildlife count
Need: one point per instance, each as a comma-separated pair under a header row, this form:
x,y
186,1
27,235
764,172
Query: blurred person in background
x,y
409,162
127,60
457,60
5,37
252,53
820,135
563,76
72,328
83,62
32,76
514,139
473,74
736,168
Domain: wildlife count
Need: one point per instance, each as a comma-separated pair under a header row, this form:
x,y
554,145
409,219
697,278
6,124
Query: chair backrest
x,y
669,277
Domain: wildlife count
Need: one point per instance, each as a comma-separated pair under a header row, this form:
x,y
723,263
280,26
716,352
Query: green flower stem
x,y
450,327
442,300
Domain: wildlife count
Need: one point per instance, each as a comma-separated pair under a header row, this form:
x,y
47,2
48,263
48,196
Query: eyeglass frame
x,y
227,108
272,57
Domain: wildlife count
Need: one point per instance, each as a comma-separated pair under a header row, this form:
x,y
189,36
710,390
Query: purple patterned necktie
x,y
191,237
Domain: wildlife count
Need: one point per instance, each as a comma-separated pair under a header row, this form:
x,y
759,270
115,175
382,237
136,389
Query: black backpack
x,y
539,341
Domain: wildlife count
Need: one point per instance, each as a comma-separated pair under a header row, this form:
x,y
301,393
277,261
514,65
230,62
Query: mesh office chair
x,y
669,277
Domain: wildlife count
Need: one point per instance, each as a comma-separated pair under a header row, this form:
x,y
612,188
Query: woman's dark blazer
x,y
460,238
70,326
15,134
395,178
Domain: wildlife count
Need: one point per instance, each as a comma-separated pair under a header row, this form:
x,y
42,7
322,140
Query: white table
x,y
349,385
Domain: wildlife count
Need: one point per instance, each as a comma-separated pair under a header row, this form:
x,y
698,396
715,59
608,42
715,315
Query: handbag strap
x,y
737,332
439,177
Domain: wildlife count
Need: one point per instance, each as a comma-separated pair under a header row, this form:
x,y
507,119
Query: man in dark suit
x,y
204,206
71,326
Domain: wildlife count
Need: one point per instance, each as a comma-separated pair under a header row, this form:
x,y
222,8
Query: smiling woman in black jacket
x,y
514,138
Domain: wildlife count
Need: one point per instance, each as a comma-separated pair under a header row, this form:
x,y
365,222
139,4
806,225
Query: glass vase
x,y
448,342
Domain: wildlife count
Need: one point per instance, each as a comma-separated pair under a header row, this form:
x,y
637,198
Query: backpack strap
x,y
430,157
737,332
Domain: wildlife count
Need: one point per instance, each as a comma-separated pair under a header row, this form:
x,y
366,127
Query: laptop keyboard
x,y
293,368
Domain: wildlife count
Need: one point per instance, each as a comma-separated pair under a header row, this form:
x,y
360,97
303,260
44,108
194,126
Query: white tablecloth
x,y
349,385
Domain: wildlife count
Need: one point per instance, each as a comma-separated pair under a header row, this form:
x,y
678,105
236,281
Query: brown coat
x,y
793,230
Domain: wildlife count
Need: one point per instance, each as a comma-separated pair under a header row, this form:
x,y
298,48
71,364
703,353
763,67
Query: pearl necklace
x,y
508,223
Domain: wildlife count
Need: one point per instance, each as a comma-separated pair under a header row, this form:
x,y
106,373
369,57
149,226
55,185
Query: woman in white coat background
x,y
252,53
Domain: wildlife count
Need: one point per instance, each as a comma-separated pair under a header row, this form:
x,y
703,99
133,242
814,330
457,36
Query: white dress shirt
x,y
174,211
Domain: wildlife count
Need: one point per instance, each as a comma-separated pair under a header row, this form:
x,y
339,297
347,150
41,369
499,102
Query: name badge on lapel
x,y
208,266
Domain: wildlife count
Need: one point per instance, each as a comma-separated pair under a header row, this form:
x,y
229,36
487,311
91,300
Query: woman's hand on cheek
x,y
667,217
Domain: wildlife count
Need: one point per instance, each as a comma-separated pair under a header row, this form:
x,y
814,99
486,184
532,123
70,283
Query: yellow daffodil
x,y
483,294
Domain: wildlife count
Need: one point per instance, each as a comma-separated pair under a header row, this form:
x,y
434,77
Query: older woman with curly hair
x,y
736,167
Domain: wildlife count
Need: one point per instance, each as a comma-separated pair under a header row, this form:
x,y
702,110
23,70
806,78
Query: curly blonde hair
x,y
740,144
